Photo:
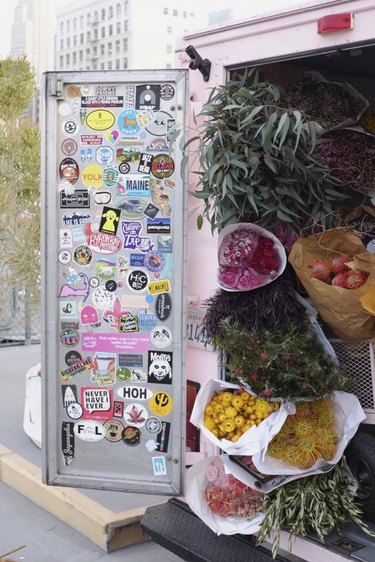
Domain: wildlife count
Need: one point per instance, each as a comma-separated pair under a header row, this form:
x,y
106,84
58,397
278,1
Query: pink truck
x,y
335,41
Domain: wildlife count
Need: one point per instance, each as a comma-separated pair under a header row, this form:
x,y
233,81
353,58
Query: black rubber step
x,y
175,527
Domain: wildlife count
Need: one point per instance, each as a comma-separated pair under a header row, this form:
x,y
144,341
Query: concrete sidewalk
x,y
39,535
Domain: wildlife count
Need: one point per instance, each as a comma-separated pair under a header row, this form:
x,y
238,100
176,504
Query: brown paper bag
x,y
339,308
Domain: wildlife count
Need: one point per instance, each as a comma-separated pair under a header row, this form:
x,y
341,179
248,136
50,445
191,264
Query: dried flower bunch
x,y
288,364
308,435
327,103
351,157
320,504
227,496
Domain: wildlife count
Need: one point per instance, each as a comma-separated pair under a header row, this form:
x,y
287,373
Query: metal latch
x,y
55,88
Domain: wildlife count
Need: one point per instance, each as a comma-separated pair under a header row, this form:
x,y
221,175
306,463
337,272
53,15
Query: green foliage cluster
x,y
256,160
288,364
19,184
320,504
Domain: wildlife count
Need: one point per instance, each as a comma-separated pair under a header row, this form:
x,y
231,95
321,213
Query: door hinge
x,y
55,88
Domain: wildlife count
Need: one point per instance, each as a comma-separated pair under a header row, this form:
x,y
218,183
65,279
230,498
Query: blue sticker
x,y
128,123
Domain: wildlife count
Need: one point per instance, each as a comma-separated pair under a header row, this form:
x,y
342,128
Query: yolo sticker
x,y
89,430
96,402
137,280
161,403
135,393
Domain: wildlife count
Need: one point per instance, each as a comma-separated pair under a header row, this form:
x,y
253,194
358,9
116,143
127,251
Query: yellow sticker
x,y
161,403
100,119
92,176
162,286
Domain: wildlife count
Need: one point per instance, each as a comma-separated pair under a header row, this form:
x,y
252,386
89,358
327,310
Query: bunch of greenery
x,y
320,504
256,160
287,364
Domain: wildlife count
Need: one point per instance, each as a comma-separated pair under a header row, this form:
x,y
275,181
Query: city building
x,y
32,34
120,34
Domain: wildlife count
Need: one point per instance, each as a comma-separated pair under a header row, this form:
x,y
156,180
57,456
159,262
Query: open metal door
x,y
113,255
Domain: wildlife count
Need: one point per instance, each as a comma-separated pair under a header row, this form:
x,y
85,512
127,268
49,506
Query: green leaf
x,y
199,222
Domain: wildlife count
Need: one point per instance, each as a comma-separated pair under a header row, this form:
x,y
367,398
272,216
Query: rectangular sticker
x,y
116,343
162,286
78,200
159,466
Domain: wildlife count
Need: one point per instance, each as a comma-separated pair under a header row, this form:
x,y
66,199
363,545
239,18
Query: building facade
x,y
120,34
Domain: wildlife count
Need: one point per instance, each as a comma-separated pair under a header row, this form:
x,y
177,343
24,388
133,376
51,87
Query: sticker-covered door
x,y
113,272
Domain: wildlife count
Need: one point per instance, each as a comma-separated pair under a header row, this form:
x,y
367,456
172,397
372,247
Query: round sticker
x,y
161,403
137,280
73,91
132,208
113,430
131,435
167,92
82,255
154,261
92,176
100,119
94,282
111,285
64,257
135,414
72,357
69,147
128,122
69,170
74,410
153,425
69,337
124,168
64,109
110,176
70,127
158,127
162,166
161,337
123,374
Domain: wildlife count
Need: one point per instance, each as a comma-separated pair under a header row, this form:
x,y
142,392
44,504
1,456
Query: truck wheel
x,y
360,456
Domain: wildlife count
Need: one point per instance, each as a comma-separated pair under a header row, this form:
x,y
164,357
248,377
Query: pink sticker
x,y
116,343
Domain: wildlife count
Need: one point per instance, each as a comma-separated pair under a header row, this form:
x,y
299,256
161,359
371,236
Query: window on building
x,y
175,12
103,14
110,30
96,17
67,59
109,47
165,10
125,44
110,12
126,25
96,34
103,32
168,65
125,62
118,27
89,35
81,38
169,29
87,53
61,61
102,66
117,46
62,28
117,64
88,67
126,6
74,58
168,48
68,43
102,49
109,65
61,44
68,26
185,14
74,24
88,18
95,51
75,40
81,21
80,55
95,66
118,9
192,15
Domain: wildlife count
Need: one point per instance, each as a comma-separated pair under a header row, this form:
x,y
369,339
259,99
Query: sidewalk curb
x,y
107,529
